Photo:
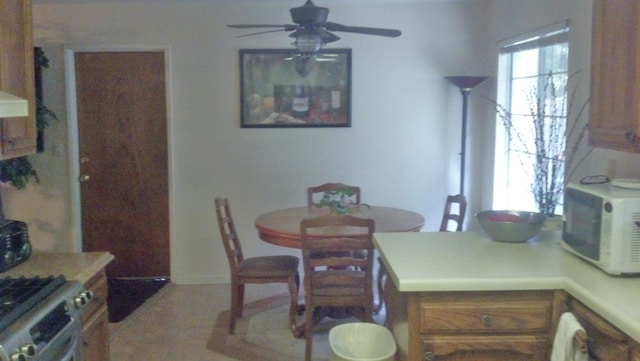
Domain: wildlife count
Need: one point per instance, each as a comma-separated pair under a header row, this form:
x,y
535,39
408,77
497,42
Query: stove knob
x,y
25,251
87,294
18,356
80,301
28,349
9,257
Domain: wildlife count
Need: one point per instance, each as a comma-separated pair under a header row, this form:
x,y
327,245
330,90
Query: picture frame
x,y
280,88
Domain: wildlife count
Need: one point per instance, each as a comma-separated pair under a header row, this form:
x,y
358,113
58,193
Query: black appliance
x,y
15,247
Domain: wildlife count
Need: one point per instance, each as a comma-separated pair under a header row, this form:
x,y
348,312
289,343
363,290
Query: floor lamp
x,y
465,84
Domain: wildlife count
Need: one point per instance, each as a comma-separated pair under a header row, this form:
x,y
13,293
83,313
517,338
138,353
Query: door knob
x,y
84,178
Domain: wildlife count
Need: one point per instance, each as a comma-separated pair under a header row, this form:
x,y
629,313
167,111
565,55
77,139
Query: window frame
x,y
542,38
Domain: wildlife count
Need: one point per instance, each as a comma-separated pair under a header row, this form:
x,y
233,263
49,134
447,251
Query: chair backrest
x,y
228,234
331,187
450,215
338,254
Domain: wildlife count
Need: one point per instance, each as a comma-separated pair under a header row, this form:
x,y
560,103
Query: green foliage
x,y
17,171
339,201
43,115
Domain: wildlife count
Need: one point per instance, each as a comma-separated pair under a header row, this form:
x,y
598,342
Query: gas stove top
x,y
19,295
40,318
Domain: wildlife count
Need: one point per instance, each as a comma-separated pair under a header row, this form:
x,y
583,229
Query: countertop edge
x,y
613,298
75,266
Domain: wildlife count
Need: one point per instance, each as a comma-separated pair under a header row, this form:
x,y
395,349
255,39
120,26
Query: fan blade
x,y
261,32
286,27
393,33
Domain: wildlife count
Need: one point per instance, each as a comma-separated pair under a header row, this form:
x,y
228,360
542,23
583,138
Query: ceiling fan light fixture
x,y
308,43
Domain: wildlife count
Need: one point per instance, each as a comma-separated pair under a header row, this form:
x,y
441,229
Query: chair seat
x,y
268,266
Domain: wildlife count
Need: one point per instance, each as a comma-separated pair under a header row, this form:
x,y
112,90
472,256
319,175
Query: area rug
x,y
263,333
126,295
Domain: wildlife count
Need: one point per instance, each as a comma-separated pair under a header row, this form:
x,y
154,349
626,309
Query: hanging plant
x,y
18,171
43,114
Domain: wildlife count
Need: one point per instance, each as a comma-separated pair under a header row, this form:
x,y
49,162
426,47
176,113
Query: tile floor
x,y
176,323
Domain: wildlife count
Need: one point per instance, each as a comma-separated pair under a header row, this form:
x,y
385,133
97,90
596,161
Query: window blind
x,y
542,37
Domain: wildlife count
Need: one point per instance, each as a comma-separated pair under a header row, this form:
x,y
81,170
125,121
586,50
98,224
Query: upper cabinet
x,y
615,79
17,135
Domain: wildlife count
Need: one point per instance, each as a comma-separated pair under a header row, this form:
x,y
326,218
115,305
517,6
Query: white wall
x,y
402,148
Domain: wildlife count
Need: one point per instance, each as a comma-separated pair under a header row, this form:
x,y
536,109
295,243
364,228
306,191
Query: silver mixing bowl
x,y
510,226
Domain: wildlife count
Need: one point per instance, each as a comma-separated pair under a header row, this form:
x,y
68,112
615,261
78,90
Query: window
x,y
527,65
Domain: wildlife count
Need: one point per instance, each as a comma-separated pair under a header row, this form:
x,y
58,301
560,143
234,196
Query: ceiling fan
x,y
311,29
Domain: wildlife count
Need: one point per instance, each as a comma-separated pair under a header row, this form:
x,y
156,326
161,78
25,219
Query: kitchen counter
x,y
470,261
74,266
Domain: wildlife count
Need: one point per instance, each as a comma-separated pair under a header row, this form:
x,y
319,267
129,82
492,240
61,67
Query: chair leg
x,y
240,300
382,273
293,308
308,330
234,309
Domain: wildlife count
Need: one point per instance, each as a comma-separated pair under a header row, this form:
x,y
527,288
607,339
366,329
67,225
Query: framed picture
x,y
283,89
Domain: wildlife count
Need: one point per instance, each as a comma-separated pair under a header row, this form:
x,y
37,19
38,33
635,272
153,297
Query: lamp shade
x,y
466,82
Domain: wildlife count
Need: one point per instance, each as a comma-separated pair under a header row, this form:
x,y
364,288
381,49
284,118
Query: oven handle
x,y
67,344
72,352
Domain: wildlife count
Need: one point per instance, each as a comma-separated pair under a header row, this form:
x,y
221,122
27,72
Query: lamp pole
x,y
465,83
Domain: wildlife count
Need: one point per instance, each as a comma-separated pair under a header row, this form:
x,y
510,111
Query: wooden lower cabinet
x,y
635,351
95,321
95,337
485,348
481,326
606,342
495,326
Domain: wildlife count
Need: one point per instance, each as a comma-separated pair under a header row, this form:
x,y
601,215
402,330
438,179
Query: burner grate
x,y
19,295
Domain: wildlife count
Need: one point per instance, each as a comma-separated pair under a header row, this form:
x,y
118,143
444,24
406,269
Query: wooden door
x,y
122,130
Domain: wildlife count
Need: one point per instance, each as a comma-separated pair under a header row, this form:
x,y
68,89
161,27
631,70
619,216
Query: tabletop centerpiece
x,y
339,201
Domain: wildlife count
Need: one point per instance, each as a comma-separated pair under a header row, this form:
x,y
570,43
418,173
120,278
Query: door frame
x,y
74,148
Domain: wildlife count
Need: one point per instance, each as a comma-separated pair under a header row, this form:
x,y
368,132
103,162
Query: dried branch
x,y
545,157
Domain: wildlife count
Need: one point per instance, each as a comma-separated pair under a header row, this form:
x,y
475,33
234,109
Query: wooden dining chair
x,y
451,216
256,270
334,277
454,202
332,187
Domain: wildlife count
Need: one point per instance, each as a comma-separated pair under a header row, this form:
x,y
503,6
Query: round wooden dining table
x,y
282,227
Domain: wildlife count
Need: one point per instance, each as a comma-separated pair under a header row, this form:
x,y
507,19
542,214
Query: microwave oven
x,y
601,224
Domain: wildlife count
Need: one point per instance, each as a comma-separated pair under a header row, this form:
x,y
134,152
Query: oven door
x,y
66,346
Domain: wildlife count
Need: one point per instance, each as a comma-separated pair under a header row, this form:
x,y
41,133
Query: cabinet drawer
x,y
497,314
99,286
483,348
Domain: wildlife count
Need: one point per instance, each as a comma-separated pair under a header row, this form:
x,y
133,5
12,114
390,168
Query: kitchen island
x,y
437,279
89,269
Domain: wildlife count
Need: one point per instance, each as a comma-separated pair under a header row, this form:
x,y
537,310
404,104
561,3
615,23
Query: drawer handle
x,y
428,356
486,320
